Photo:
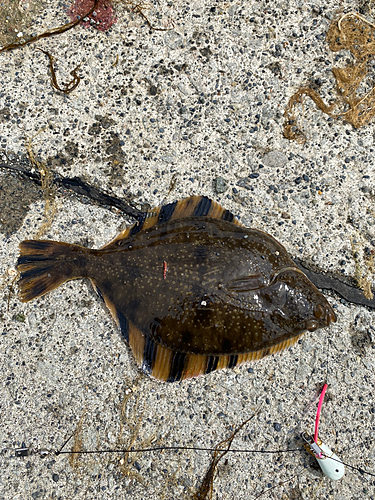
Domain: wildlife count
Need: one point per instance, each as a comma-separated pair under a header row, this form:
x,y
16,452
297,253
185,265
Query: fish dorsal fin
x,y
193,206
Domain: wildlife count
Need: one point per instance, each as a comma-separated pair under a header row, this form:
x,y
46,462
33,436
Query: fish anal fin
x,y
170,366
167,365
162,363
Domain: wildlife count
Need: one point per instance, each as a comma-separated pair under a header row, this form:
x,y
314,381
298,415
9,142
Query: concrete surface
x,y
201,104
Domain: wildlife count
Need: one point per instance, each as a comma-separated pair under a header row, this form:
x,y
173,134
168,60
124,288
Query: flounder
x,y
191,289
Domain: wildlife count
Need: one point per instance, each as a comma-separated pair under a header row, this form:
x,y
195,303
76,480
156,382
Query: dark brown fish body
x,y
191,291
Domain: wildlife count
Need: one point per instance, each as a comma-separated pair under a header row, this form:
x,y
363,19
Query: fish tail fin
x,y
44,265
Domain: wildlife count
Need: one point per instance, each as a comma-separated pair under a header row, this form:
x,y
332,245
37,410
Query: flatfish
x,y
191,289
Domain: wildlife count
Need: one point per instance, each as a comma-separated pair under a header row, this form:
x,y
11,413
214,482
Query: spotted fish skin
x,y
191,289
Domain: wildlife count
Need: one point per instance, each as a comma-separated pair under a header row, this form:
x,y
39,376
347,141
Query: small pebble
x,y
245,183
137,466
275,159
220,185
153,90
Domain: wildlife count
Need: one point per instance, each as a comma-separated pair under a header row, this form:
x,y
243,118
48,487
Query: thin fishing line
x,y
197,448
359,469
26,451
327,361
171,448
43,453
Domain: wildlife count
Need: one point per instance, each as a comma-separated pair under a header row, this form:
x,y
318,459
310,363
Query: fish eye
x,y
319,311
312,325
119,243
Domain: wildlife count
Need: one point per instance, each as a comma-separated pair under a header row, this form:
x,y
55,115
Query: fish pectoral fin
x,y
247,283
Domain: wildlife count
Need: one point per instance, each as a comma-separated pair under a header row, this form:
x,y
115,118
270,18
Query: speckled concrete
x,y
157,116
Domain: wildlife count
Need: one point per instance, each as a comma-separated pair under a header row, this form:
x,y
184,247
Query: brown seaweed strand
x,y
46,34
138,9
69,86
291,130
208,480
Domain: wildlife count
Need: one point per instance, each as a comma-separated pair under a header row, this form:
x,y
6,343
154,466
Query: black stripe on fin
x,y
149,355
39,287
138,226
266,352
124,325
233,360
166,212
99,293
203,207
37,271
26,259
177,367
227,215
212,364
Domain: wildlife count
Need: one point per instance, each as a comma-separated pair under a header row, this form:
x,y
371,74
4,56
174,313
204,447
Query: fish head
x,y
295,304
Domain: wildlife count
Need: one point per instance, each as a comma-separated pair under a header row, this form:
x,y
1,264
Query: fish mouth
x,y
324,314
331,317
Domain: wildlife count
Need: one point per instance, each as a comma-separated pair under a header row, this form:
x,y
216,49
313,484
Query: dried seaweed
x,y
138,8
291,129
47,184
354,33
69,86
134,422
206,487
77,444
11,287
363,272
47,34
